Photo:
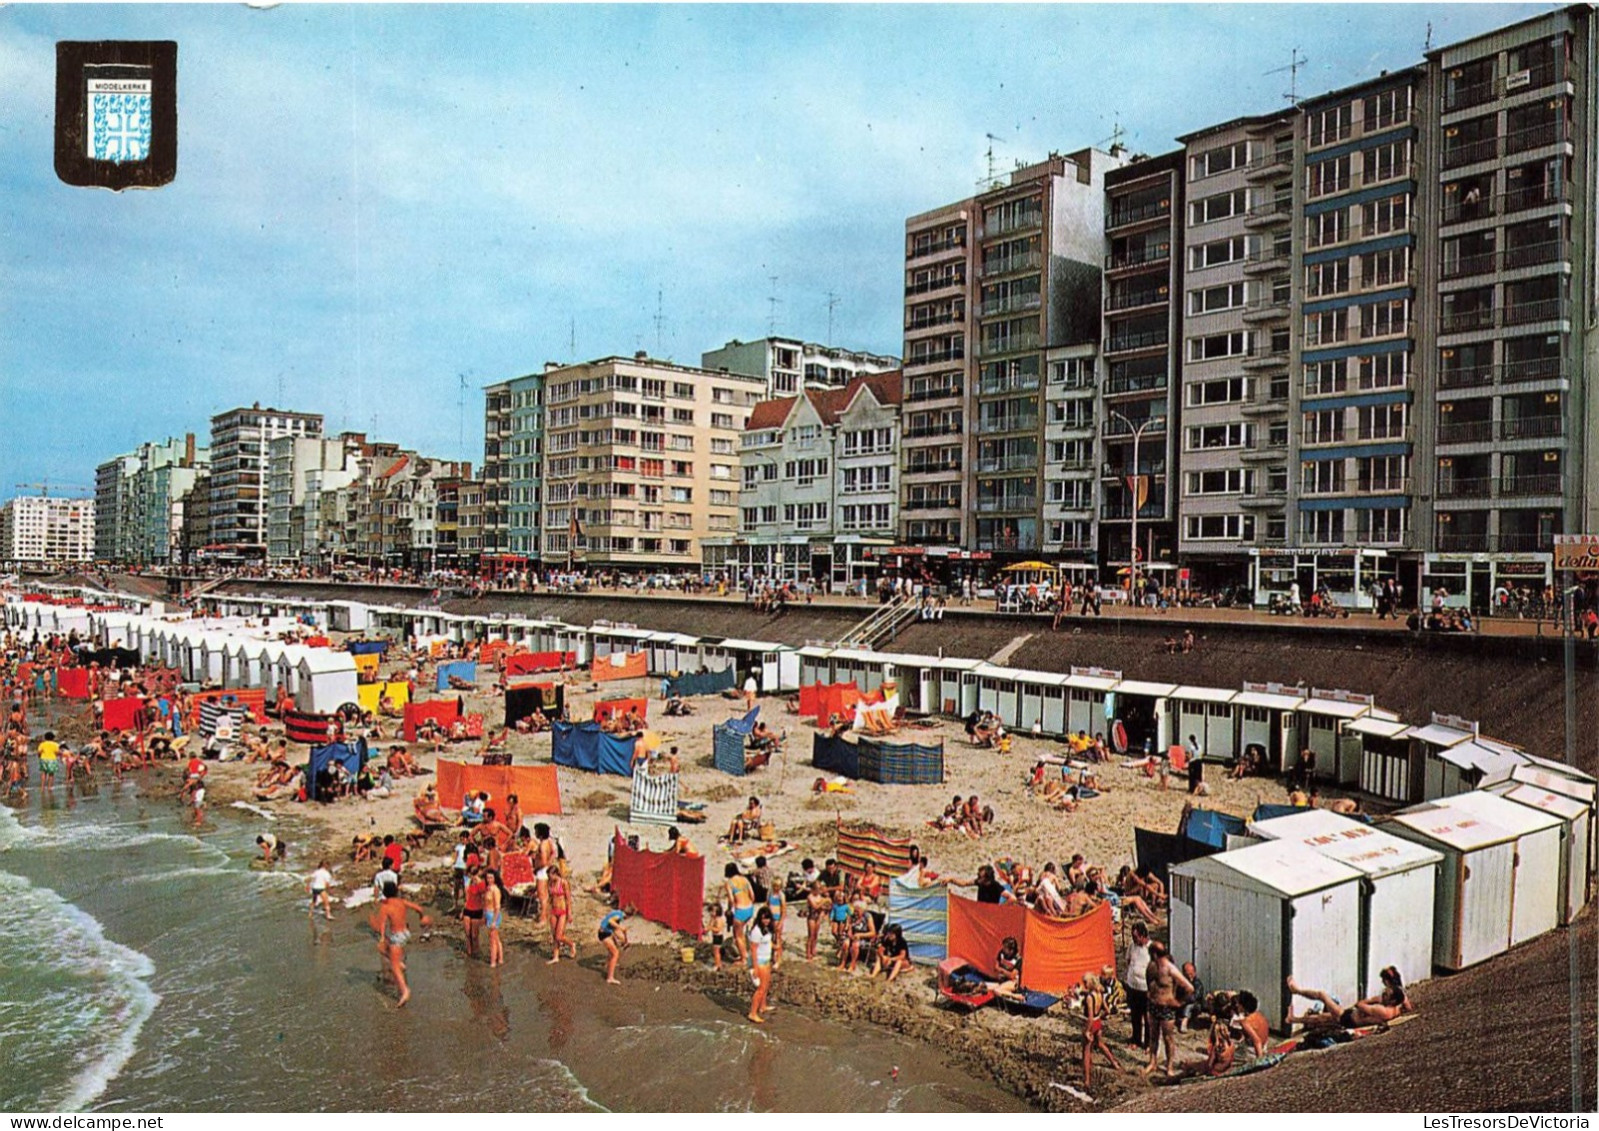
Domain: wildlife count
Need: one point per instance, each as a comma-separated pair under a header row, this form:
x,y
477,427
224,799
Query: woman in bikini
x,y
1385,1007
739,895
560,913
1095,1011
494,915
817,906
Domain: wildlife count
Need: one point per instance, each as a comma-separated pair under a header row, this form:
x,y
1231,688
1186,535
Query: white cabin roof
x,y
1354,843
1334,708
1091,682
1543,800
1203,694
1536,775
1456,828
1144,687
1268,699
1279,867
317,660
1435,734
1382,728
1519,819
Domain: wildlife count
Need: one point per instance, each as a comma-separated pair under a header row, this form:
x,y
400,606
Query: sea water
x,y
149,963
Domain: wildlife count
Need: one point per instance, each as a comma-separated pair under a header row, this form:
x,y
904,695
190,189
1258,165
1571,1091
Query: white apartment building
x,y
41,529
788,365
1070,469
240,448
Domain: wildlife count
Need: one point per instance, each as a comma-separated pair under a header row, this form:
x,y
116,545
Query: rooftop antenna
x,y
832,301
771,308
1295,61
1428,45
571,338
660,319
460,443
1116,135
989,181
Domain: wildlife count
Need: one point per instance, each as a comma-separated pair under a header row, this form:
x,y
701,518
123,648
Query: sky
x,y
379,209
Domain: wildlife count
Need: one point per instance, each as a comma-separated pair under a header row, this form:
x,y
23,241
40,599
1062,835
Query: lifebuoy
x,y
1118,736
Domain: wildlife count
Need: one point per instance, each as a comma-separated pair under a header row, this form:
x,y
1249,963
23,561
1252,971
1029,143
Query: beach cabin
x,y
236,661
1086,692
1449,756
1567,781
999,691
213,654
1396,901
1142,708
191,654
1384,756
1207,714
1322,717
1254,916
1576,832
348,616
1042,702
1499,884
816,664
288,670
1268,718
942,685
327,680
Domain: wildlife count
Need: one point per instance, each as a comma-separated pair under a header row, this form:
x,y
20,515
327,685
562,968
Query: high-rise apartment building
x,y
41,529
1514,420
788,365
513,456
994,283
1138,410
641,461
141,498
240,446
113,508
299,469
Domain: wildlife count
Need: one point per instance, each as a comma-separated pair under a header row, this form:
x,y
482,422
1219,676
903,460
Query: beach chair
x,y
962,984
1028,1003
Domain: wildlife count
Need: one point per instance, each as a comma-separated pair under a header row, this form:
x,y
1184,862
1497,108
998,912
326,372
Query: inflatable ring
x,y
1118,736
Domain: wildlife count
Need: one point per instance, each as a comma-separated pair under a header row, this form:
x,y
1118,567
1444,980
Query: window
x,y
1390,214
1324,427
1324,377
1218,207
1383,473
1384,371
1321,477
721,446
769,513
1217,252
1219,160
1387,109
1073,373
1323,127
805,470
1325,177
751,515
1214,346
1383,421
1380,318
1224,391
722,420
868,441
1232,527
1382,524
1210,436
721,498
1327,326
1331,278
1385,268
682,416
863,479
1230,481
1321,526
1327,227
1226,297
1385,162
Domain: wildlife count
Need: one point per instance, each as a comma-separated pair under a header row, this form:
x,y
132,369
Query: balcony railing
x,y
1383,121
1281,209
1465,377
1006,265
1544,426
1465,321
1532,369
934,357
922,251
1330,136
933,504
1148,339
1271,159
1152,253
1016,222
1478,263
1466,432
1470,152
1351,232
1143,383
932,467
1535,254
1470,94
1327,186
1013,304
916,432
958,280
935,393
1116,426
996,464
1131,299
1014,383
1014,343
1008,503
1543,310
1545,484
1152,467
1137,214
1022,422
1121,512
943,318
1470,488
1534,137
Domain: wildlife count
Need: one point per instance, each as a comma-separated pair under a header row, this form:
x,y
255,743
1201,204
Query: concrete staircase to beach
x,y
1000,658
881,626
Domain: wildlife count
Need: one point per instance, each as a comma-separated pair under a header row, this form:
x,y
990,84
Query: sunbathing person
x,y
1385,1007
1146,887
536,723
1008,965
288,788
676,706
747,824
400,762
1060,796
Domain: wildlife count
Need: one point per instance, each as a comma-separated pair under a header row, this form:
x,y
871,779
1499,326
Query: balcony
x,y
1532,369
1350,233
937,357
1466,377
1465,542
1266,309
1269,164
956,280
1523,485
1470,94
1535,137
1535,254
932,467
1474,488
1126,343
1142,383
1019,222
1140,257
1480,263
1465,321
1543,310
1471,152
1137,214
1319,336
1007,503
916,432
934,504
944,318
1152,467
1015,304
1317,139
994,465
1265,215
1266,259
1121,512
1466,432
1012,383
1544,426
1020,422
1375,122
935,393
1267,355
1132,300
1011,264
936,247
1014,343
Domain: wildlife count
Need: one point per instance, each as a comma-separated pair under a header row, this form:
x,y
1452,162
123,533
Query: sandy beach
x,y
1043,1052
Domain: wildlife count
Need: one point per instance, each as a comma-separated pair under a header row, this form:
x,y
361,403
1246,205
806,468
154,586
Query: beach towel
x,y
654,799
620,665
537,788
516,870
665,887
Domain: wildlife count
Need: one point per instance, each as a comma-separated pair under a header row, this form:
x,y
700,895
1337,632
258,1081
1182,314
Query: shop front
x,y
1470,580
945,566
1348,574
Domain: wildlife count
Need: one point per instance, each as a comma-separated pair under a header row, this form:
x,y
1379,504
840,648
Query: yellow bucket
x,y
688,956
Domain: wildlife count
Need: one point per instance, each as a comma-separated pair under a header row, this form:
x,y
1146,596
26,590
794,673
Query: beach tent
x,y
891,763
444,712
728,740
822,701
875,715
864,848
653,799
1500,881
522,699
1576,830
702,683
1254,916
460,669
923,913
998,691
236,662
327,679
351,756
1396,901
665,887
1056,953
537,788
288,674
370,696
585,746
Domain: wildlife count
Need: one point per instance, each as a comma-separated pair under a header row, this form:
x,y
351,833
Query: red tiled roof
x,y
767,415
829,404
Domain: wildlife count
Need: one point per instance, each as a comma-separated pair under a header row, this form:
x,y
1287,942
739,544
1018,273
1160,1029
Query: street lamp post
x,y
1132,556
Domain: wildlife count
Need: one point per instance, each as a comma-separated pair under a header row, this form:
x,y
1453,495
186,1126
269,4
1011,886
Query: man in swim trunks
x,y
544,858
393,935
1378,1010
472,914
1164,981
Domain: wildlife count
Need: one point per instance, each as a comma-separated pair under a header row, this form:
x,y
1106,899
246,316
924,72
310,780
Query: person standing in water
x,y
493,915
394,935
560,913
740,899
317,887
760,948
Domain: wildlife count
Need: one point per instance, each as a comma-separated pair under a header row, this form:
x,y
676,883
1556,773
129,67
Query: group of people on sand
x,y
969,816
